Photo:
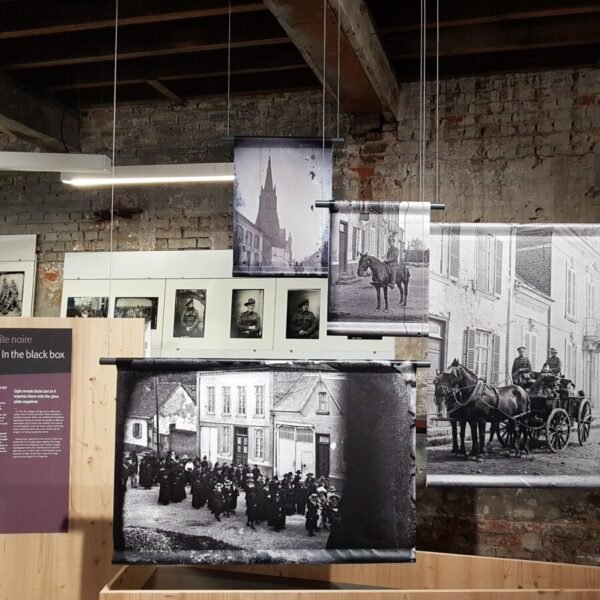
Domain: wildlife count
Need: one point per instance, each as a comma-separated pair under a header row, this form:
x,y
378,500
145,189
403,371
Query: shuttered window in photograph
x,y
570,293
259,444
241,400
211,399
454,252
260,400
225,440
137,430
226,391
489,264
323,404
481,354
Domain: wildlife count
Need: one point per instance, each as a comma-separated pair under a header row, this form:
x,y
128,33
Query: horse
x,y
471,400
382,278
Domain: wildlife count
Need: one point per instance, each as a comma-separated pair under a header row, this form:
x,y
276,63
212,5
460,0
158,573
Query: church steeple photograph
x,y
277,229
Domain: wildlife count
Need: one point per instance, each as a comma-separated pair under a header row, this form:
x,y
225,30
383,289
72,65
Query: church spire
x,y
268,187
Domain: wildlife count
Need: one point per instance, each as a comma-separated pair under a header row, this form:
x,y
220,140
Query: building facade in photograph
x,y
355,232
248,244
497,287
308,426
234,418
175,401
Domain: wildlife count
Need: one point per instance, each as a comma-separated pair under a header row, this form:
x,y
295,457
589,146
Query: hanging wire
x,y
229,69
437,101
324,94
339,22
114,145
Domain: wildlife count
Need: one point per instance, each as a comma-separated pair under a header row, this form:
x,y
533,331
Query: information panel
x,y
35,411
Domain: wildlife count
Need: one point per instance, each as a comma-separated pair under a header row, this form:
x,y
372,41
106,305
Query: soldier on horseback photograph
x,y
379,257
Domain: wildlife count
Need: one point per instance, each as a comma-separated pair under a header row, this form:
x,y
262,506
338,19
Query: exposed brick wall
x,y
513,148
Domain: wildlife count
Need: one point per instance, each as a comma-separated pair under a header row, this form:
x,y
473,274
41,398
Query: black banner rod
x,y
328,140
111,361
329,203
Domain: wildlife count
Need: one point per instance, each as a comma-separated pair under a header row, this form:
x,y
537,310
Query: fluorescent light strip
x,y
155,175
55,162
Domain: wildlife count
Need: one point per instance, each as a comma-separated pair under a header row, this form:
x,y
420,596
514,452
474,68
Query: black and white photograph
x,y
11,293
230,462
303,314
278,231
87,306
137,308
247,314
190,312
379,268
514,344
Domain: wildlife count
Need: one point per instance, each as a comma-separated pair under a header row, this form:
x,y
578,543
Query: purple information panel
x,y
35,413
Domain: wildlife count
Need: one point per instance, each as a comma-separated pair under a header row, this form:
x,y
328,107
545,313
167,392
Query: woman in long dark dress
x,y
146,473
251,505
216,502
196,489
164,495
312,514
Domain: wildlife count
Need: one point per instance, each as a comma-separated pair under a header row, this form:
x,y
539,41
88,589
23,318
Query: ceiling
x,y
179,49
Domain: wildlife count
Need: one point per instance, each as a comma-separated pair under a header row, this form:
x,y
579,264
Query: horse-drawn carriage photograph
x,y
513,394
378,270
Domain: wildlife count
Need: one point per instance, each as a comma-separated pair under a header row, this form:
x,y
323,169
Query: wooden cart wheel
x,y
584,422
558,429
506,434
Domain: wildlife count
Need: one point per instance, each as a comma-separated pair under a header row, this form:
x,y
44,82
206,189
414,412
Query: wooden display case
x,y
432,577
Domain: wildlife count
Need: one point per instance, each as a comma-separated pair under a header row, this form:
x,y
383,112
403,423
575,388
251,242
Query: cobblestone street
x,y
358,300
142,510
572,460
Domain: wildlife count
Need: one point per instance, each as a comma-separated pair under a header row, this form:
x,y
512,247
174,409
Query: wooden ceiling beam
x,y
32,117
501,37
396,18
67,17
300,80
532,60
204,64
200,35
367,83
161,88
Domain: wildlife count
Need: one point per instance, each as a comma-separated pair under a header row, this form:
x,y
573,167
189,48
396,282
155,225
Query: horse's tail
x,y
523,399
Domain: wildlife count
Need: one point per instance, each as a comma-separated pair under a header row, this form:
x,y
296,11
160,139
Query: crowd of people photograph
x,y
227,490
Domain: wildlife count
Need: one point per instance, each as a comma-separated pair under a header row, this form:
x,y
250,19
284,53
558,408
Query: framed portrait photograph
x,y
247,313
303,314
190,313
277,231
254,461
87,306
11,293
137,308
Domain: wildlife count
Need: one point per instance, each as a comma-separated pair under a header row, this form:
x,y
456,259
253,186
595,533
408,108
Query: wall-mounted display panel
x,y
214,317
17,275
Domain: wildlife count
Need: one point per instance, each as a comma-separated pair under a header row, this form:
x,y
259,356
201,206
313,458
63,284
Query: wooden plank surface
x,y
75,565
437,571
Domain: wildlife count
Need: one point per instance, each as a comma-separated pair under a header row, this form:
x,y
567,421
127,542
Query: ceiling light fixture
x,y
55,162
155,175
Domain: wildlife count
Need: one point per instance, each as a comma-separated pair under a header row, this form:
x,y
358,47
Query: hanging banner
x,y
250,462
516,354
277,231
35,412
379,268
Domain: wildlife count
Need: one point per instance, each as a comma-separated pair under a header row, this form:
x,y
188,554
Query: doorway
x,y
240,448
322,467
